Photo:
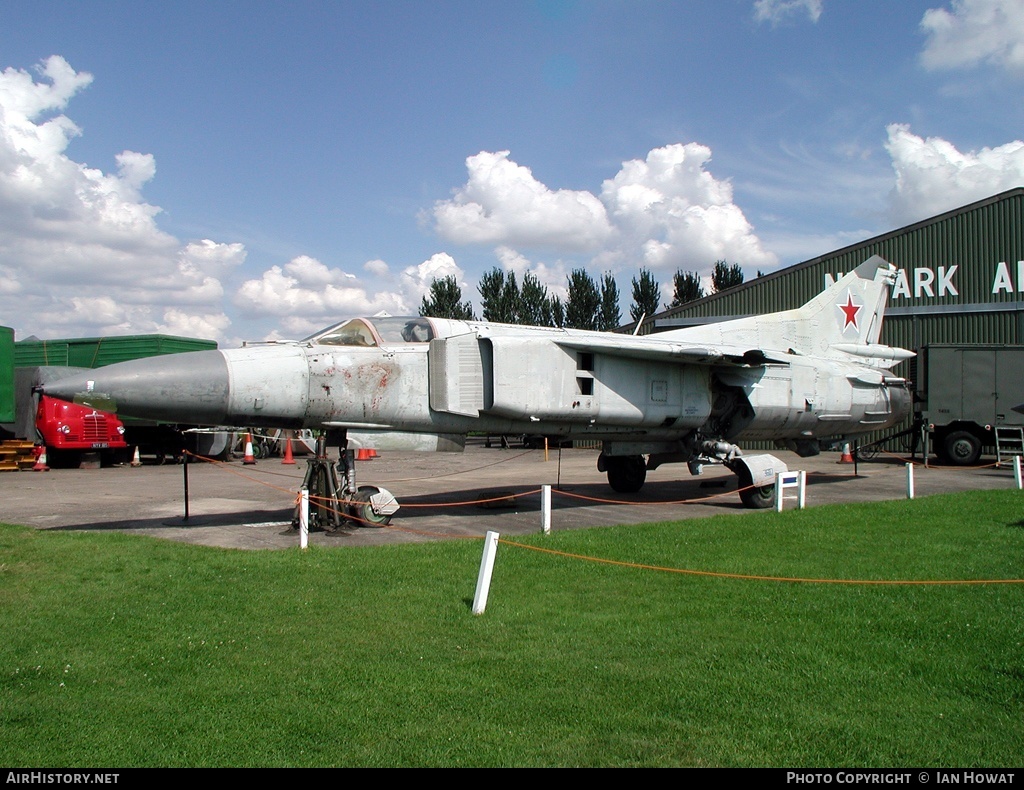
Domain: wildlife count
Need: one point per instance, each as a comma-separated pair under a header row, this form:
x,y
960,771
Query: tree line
x,y
591,304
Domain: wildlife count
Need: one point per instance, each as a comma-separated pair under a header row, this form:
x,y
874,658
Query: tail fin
x,y
849,312
845,318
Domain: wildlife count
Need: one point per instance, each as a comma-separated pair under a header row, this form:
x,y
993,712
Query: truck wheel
x,y
63,459
962,448
626,474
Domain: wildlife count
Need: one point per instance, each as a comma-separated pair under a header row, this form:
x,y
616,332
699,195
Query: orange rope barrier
x,y
755,577
924,463
620,563
476,501
504,460
226,467
694,501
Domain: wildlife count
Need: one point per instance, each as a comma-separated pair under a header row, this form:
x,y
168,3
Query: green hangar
x,y
960,286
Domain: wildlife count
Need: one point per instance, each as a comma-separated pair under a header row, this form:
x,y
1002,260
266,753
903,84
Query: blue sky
x,y
259,169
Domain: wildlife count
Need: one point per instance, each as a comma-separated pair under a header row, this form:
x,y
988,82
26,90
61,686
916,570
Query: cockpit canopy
x,y
383,330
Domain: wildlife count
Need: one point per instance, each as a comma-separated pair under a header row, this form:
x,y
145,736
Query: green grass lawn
x,y
123,651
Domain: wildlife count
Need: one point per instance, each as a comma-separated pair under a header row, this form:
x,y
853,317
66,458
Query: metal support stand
x,y
186,520
185,474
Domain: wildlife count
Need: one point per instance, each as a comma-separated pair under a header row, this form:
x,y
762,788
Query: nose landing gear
x,y
335,498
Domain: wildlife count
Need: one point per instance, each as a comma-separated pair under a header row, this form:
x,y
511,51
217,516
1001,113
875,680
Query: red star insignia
x,y
850,311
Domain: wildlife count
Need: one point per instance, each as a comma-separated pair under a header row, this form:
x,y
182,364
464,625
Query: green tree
x,y
554,313
646,296
608,316
581,311
534,307
687,288
726,276
446,300
501,298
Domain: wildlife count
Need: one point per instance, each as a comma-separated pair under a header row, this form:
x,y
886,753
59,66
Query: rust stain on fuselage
x,y
373,378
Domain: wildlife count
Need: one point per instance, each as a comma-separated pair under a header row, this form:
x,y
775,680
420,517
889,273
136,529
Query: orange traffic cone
x,y
249,458
136,460
372,452
846,457
362,454
40,465
288,458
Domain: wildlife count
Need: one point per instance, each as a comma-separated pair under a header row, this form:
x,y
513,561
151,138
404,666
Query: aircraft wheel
x,y
363,510
963,448
626,474
755,498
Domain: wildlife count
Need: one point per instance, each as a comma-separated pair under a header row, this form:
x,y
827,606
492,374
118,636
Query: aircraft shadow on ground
x,y
575,497
196,519
716,493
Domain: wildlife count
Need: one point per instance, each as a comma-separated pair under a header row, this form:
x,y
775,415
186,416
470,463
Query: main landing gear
x,y
756,473
334,496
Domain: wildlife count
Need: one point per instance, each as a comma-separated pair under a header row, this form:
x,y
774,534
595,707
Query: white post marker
x,y
304,518
483,579
795,479
545,509
1016,472
910,481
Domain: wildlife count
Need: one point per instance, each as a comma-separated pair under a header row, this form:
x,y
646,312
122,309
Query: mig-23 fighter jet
x,y
798,377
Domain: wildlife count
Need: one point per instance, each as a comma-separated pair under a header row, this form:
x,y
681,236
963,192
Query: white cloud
x,y
554,275
177,322
672,213
661,212
82,253
416,280
932,176
305,295
974,32
213,257
503,203
777,11
377,267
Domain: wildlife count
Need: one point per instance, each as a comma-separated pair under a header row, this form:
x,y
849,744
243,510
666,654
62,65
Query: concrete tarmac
x,y
442,495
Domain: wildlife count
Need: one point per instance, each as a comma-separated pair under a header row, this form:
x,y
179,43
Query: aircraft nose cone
x,y
187,388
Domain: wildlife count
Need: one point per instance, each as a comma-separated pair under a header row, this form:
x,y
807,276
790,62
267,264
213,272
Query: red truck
x,y
68,430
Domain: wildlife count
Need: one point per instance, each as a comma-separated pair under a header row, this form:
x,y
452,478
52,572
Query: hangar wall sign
x,y
924,281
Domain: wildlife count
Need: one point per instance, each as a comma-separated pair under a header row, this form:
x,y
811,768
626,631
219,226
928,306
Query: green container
x,y
40,353
95,352
6,374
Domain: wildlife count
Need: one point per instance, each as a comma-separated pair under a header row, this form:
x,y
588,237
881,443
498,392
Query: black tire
x,y
63,459
363,510
626,474
962,448
755,498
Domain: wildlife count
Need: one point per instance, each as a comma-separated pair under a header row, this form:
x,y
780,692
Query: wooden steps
x,y
17,454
